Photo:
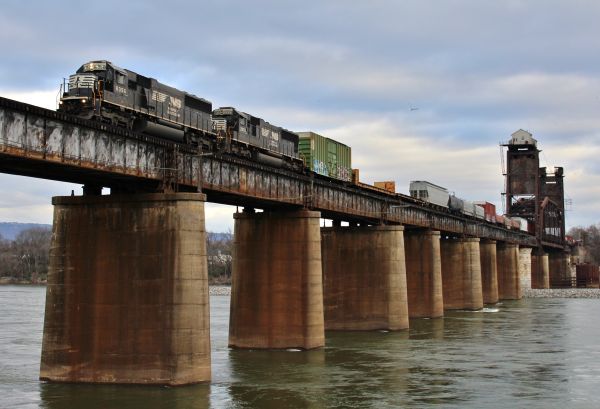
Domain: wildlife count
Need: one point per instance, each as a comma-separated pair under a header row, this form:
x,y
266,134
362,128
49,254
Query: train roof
x,y
427,183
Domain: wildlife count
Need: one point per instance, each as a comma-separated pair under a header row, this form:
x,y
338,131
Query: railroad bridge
x,y
127,296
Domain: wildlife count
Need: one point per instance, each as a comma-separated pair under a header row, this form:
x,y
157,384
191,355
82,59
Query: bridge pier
x,y
509,287
525,267
559,272
277,291
489,271
364,278
423,274
540,271
461,274
127,296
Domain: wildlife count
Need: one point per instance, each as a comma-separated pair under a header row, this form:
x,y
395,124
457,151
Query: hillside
x,y
10,230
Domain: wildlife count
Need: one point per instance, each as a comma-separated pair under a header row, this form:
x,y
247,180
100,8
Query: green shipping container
x,y
325,156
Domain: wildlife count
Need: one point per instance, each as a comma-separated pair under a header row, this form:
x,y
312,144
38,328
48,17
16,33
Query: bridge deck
x,y
46,144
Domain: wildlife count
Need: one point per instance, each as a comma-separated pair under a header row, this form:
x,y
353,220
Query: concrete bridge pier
x,y
559,271
461,274
489,271
277,289
525,267
423,274
509,286
364,278
540,271
127,297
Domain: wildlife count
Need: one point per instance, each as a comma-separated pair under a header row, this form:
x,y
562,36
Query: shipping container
x,y
500,219
479,212
355,176
390,186
523,224
489,211
325,156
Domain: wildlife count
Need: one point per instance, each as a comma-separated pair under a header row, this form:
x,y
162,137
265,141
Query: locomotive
x,y
256,138
102,91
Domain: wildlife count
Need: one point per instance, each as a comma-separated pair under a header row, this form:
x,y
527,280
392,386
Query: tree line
x,y
25,259
590,238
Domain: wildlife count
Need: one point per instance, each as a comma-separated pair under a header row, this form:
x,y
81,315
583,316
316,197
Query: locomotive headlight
x,y
83,101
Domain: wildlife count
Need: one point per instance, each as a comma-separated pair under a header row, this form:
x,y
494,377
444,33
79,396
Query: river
x,y
534,353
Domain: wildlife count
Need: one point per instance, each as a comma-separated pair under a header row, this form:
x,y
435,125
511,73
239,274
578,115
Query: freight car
x,y
326,157
439,196
430,193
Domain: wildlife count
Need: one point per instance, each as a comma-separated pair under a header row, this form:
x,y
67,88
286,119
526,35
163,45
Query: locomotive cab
x,y
84,92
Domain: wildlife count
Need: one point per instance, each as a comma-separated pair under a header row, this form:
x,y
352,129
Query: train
x,y
436,195
100,90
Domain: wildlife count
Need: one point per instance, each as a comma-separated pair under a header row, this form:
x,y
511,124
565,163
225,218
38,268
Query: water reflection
x,y
72,396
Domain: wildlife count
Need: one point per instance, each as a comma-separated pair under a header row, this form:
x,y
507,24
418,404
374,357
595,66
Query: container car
x,y
325,156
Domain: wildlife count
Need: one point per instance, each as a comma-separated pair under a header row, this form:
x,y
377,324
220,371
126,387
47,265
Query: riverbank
x,y
527,293
225,290
562,293
219,290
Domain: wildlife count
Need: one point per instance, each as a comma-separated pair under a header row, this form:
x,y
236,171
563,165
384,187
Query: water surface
x,y
534,353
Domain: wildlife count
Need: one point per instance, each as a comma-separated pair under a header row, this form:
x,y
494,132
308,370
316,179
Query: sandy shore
x,y
219,290
527,293
563,293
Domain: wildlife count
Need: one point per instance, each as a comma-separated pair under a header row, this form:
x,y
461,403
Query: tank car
x,y
101,90
253,137
456,204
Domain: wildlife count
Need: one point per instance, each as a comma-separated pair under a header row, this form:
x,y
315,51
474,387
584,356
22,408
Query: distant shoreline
x,y
219,289
216,289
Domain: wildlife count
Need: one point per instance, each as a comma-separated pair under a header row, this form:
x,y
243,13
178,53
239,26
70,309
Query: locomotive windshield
x,y
94,66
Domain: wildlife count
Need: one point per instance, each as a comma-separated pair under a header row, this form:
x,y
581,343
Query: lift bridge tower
x,y
533,193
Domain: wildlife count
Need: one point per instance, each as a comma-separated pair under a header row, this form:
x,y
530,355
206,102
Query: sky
x,y
421,90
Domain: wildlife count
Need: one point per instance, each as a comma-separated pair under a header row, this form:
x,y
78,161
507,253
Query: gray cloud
x,y
476,70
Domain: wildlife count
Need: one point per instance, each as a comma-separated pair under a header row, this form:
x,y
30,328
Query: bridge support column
x,y
364,278
461,274
560,275
540,271
277,290
509,287
489,272
525,267
127,296
423,274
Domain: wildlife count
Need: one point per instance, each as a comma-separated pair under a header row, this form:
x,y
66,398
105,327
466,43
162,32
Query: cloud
x,y
44,99
476,70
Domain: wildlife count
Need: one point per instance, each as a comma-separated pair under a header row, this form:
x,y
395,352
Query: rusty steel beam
x,y
46,144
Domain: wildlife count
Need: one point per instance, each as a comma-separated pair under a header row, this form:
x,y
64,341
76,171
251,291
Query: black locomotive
x,y
100,90
255,137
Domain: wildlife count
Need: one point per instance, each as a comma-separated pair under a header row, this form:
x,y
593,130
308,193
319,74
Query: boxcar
x,y
325,156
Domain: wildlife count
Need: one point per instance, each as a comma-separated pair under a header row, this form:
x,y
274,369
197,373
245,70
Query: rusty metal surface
x,y
46,144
